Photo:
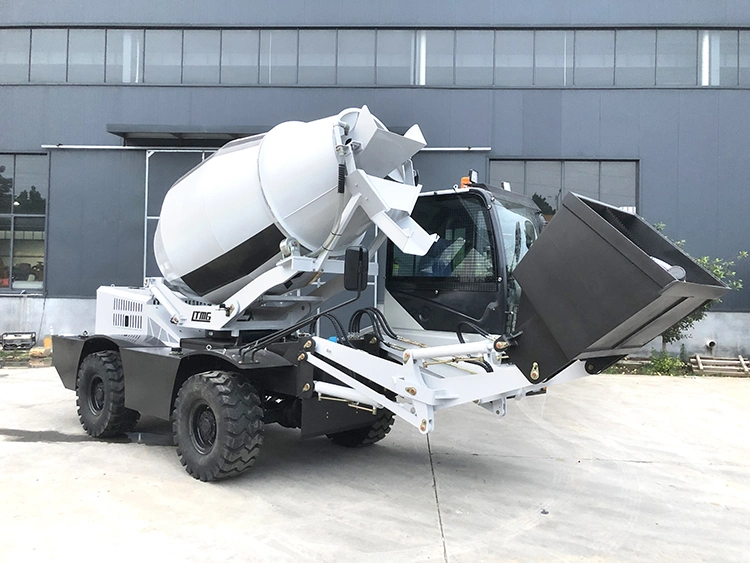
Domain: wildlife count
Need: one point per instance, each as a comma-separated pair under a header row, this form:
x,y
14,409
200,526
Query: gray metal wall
x,y
95,227
383,12
692,144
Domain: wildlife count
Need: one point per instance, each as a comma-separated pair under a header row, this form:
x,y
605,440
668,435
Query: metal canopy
x,y
141,134
181,135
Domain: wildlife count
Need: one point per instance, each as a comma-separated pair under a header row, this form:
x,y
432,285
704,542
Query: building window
x,y
635,58
356,57
14,55
544,58
48,49
86,56
239,57
744,73
717,55
553,58
474,58
435,58
317,57
396,57
548,181
595,58
278,56
163,57
676,57
200,57
124,56
514,58
23,207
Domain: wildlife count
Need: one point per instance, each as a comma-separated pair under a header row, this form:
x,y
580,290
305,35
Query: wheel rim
x,y
203,428
96,395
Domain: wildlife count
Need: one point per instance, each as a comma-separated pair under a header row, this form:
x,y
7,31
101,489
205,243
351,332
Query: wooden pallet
x,y
738,366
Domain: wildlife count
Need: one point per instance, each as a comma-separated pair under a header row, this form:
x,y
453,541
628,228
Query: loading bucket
x,y
597,285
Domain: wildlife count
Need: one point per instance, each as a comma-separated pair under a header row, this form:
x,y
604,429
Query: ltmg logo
x,y
202,316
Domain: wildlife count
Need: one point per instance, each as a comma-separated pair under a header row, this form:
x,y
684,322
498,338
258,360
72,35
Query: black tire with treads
x,y
366,435
100,396
217,425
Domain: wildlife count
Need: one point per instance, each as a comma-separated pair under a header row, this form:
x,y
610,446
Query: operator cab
x,y
467,275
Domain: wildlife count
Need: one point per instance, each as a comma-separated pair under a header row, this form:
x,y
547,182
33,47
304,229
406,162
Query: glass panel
x,y
28,253
49,49
124,56
618,181
728,53
31,185
514,58
635,58
86,56
200,57
435,57
595,58
582,178
518,229
553,58
396,55
278,56
744,58
464,250
676,54
5,235
717,53
6,183
544,184
163,59
474,57
356,57
239,57
14,55
507,171
317,57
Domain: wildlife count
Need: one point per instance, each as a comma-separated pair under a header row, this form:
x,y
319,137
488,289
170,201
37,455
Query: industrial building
x,y
103,106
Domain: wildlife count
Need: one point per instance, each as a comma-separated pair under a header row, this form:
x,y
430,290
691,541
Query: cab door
x,y
461,277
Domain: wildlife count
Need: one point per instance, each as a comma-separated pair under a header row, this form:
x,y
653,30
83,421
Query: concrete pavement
x,y
606,468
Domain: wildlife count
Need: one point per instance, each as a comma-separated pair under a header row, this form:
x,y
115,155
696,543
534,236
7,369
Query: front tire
x,y
366,435
218,425
100,396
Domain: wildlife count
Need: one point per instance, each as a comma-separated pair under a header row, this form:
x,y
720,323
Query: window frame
x,y
454,283
10,290
521,188
545,72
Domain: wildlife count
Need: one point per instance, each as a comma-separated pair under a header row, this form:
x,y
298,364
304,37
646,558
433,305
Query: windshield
x,y
462,257
519,231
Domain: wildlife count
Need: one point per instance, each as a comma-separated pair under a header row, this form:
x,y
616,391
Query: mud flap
x,y
600,283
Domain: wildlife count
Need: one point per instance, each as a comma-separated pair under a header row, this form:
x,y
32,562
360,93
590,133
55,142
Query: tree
x,y
22,202
6,192
37,203
721,269
30,201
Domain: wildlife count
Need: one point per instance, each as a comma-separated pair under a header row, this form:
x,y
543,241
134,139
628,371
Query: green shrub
x,y
722,269
662,363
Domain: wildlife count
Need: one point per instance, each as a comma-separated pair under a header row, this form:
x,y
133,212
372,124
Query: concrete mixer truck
x,y
481,303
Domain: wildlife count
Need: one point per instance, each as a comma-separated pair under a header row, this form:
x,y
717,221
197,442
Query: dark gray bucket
x,y
592,291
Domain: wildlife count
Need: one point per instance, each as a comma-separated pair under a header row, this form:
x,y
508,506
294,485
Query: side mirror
x,y
356,264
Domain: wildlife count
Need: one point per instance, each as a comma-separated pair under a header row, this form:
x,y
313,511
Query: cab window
x,y
519,231
464,252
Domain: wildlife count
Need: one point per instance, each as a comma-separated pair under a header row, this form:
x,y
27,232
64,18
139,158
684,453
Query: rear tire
x,y
218,425
366,435
100,396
